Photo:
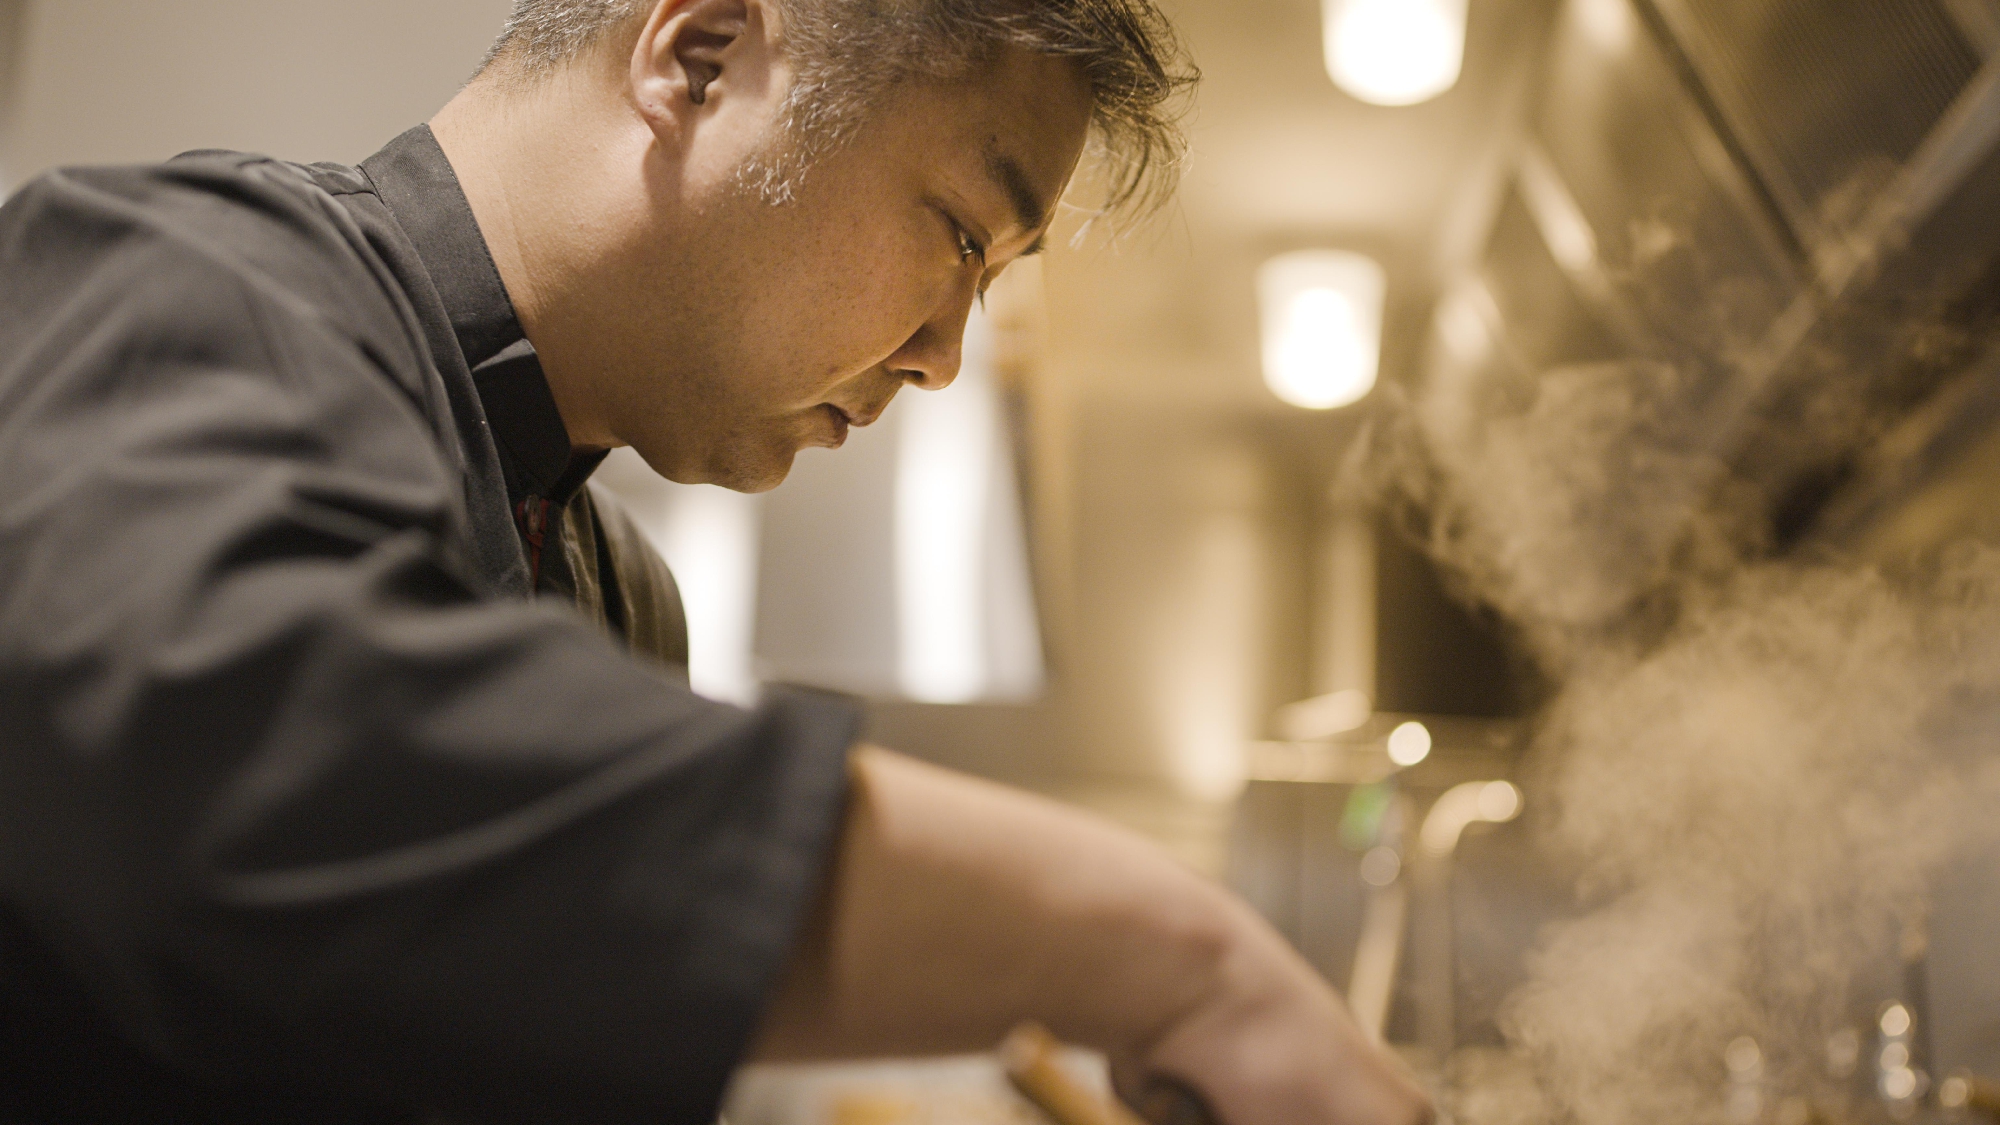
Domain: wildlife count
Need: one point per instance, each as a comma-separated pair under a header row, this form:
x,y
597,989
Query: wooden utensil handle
x,y
1030,1056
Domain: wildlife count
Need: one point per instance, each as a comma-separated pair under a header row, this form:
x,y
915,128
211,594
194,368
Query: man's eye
x,y
968,248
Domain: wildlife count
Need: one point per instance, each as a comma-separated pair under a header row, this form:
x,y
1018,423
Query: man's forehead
x,y
1029,157
1015,133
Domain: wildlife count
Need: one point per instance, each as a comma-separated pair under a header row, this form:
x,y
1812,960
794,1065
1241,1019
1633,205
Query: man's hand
x,y
957,908
1274,1044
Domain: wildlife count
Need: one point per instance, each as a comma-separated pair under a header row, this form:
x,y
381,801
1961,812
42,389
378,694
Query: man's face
x,y
787,324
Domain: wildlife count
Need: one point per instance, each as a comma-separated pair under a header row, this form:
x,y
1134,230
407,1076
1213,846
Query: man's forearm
x,y
957,907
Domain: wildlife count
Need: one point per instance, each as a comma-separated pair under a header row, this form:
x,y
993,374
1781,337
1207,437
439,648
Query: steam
x,y
1758,803
1566,513
1756,764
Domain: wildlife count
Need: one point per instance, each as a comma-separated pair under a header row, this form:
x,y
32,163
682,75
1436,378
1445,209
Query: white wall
x,y
13,18
897,566
103,81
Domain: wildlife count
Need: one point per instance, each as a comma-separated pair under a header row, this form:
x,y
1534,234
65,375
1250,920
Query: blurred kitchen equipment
x,y
1964,1092
1435,982
1383,921
1032,1058
1743,1096
1404,864
1900,1083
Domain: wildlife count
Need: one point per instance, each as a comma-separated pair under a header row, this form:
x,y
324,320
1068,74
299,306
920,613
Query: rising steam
x,y
1757,765
1758,803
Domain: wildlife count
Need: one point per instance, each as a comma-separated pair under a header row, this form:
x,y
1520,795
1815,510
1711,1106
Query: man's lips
x,y
840,424
842,420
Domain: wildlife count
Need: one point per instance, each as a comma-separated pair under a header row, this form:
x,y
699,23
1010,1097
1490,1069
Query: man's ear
x,y
685,49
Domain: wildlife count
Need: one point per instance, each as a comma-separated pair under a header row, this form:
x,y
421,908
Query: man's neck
x,y
527,160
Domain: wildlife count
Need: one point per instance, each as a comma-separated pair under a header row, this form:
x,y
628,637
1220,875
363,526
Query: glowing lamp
x,y
1395,52
1409,744
1322,321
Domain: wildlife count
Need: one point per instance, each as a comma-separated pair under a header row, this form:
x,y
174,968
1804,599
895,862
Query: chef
x,y
348,771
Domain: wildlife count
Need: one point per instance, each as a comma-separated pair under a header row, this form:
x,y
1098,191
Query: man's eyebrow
x,y
1013,180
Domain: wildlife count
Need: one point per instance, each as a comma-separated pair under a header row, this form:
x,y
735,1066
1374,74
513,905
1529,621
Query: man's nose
x,y
929,360
931,365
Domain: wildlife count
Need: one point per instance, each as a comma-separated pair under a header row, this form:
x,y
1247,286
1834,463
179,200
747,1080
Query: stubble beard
x,y
772,174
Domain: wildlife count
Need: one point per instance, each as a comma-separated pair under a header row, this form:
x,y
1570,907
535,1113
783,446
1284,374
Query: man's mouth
x,y
841,422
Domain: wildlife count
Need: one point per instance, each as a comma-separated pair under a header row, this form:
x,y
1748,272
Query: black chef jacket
x,y
308,810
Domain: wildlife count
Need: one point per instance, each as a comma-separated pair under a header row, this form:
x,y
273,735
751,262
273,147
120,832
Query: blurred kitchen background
x,y
1514,385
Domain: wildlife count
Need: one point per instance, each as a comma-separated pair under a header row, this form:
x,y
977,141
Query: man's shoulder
x,y
293,223
281,232
230,197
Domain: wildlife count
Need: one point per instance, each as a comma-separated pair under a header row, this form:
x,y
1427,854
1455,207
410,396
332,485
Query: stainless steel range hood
x,y
1792,204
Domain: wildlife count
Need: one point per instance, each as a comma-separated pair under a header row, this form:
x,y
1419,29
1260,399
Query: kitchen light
x,y
1409,744
1895,1021
1394,52
1322,322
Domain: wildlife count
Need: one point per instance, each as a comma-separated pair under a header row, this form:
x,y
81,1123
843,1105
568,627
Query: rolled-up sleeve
x,y
291,798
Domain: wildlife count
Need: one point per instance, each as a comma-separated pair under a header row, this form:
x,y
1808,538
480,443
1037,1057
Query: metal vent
x,y
1545,321
1828,96
1676,221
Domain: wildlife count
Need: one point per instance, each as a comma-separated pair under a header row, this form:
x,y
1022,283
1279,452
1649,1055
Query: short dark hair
x,y
848,54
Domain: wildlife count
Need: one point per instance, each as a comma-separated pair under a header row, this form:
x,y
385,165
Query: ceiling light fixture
x,y
1394,52
1322,321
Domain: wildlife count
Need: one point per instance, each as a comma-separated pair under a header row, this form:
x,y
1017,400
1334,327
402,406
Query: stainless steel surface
x,y
1790,207
1378,952
1823,96
1630,139
1463,748
1794,251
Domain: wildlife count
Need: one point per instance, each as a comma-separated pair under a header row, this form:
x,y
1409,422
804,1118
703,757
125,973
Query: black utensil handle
x,y
1167,1102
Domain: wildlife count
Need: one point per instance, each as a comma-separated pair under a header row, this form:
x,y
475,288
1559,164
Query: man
x,y
308,809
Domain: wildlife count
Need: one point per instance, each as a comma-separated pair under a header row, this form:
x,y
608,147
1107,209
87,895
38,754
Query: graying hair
x,y
847,55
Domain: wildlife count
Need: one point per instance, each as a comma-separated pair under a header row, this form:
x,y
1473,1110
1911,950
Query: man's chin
x,y
760,471
760,474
